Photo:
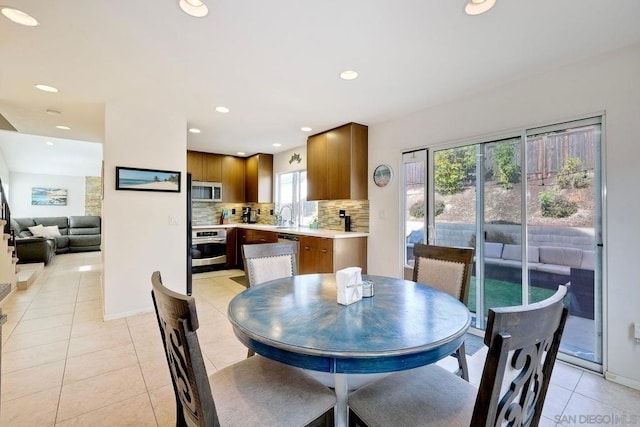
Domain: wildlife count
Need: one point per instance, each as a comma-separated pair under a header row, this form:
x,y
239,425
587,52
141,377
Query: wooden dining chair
x,y
523,343
254,391
270,261
447,269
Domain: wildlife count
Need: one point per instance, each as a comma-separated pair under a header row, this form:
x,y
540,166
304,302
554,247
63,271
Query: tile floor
x,y
63,366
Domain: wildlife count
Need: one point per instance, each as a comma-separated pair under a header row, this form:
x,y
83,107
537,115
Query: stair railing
x,y
5,213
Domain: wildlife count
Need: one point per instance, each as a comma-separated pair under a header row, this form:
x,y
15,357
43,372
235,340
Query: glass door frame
x,y
479,143
600,284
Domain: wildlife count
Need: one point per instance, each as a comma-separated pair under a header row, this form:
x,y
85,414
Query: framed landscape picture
x,y
147,180
41,196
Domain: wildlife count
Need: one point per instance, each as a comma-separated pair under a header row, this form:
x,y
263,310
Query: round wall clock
x,y
382,175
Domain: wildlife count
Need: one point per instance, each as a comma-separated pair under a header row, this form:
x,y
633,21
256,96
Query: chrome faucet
x,y
279,217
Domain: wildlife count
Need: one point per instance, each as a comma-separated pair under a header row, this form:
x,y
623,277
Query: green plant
x,y
494,236
439,208
454,168
573,174
508,171
417,209
554,205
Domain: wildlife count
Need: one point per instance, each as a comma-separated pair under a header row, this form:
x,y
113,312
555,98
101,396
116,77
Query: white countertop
x,y
302,231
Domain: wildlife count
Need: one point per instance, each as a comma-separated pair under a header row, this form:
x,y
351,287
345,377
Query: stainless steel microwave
x,y
206,191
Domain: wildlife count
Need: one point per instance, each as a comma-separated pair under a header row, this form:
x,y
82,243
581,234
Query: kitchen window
x,y
291,199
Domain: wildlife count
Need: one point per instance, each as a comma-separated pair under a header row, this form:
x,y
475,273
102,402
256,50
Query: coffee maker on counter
x,y
246,215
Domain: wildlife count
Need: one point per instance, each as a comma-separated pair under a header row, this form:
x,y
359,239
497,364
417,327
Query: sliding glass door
x,y
530,205
564,227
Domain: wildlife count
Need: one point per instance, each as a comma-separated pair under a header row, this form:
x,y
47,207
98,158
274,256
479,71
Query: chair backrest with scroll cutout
x,y
523,343
178,322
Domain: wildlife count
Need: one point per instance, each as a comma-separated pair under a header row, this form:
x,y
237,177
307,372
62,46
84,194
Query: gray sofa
x,y
549,266
35,249
77,233
543,259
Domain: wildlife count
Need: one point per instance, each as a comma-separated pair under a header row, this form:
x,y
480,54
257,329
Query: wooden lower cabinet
x,y
315,255
324,255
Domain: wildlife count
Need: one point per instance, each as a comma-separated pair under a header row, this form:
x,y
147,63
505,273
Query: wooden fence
x,y
546,154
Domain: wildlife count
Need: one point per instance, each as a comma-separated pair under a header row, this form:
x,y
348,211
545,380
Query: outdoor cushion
x,y
569,257
492,250
513,263
514,252
588,260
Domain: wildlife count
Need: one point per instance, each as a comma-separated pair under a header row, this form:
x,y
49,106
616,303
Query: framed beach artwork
x,y
41,196
147,180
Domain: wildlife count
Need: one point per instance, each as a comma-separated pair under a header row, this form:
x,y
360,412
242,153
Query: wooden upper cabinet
x,y
317,167
194,165
337,162
232,179
259,178
212,167
204,166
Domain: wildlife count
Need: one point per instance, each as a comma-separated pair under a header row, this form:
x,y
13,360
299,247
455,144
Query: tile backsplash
x,y
207,213
358,210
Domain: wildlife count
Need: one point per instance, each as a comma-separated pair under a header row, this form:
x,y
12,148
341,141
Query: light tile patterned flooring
x,y
63,366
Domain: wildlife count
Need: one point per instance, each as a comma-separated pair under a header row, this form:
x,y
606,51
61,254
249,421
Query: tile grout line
x,y
144,380
66,359
64,371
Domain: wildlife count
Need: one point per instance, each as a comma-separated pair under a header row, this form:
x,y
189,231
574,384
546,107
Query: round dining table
x,y
297,321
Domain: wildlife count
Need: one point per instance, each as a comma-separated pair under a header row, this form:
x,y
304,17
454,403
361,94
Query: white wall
x,y
138,238
608,83
20,194
5,175
281,160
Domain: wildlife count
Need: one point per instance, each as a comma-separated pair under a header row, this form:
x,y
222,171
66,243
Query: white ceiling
x,y
276,64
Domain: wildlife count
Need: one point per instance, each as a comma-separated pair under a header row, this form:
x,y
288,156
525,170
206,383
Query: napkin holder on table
x,y
349,281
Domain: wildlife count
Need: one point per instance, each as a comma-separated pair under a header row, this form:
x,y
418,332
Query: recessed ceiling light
x,y
47,88
63,127
277,145
306,129
476,7
194,130
194,8
241,153
222,110
53,112
349,75
49,143
19,17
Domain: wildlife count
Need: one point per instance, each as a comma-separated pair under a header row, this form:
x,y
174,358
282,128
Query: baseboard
x,y
635,384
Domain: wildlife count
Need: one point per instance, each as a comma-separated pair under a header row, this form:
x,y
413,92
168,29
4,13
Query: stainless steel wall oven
x,y
208,249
